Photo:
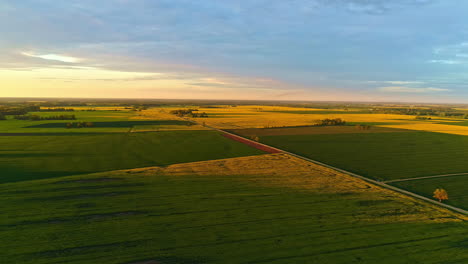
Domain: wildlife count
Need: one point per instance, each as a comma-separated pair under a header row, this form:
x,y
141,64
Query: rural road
x,y
428,177
378,183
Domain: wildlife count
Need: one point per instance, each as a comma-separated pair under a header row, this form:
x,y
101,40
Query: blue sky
x,y
402,50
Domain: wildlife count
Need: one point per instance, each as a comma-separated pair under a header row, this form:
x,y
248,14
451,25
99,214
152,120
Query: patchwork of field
x,y
117,140
147,186
262,209
228,117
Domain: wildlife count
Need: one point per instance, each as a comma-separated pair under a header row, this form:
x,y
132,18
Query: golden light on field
x,y
226,117
284,171
431,127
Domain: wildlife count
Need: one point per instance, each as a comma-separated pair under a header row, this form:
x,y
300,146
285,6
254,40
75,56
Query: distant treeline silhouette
x,y
330,122
188,112
39,118
79,124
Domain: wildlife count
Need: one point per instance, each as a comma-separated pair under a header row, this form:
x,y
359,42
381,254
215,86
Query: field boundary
x,y
375,182
428,177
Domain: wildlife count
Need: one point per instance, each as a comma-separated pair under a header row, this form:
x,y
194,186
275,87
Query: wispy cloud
x,y
397,82
450,62
405,89
53,57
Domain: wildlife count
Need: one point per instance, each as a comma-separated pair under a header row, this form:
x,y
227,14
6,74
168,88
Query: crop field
x,y
385,156
261,209
146,186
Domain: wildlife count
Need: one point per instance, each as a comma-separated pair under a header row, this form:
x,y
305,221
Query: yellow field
x,y
261,116
282,170
432,127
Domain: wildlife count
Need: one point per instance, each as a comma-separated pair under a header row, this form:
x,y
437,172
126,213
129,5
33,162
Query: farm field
x,y
152,187
261,209
382,156
447,128
380,153
46,148
27,157
239,117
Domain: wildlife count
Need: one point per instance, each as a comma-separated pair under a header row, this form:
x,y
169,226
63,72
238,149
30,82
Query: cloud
x,y
450,62
405,89
376,6
53,57
397,82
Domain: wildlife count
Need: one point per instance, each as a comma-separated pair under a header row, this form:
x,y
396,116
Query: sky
x,y
332,50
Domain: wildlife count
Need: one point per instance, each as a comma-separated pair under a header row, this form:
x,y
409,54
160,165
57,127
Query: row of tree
x,y
18,110
79,124
330,122
39,118
188,112
363,127
59,109
423,118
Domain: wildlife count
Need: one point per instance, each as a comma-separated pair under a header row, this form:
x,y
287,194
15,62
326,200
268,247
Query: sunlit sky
x,y
362,50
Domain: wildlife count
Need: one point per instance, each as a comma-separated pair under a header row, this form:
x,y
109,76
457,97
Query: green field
x,y
27,157
389,156
382,156
455,186
131,218
54,211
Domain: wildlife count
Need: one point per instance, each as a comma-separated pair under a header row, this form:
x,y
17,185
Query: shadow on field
x,y
53,134
115,124
31,155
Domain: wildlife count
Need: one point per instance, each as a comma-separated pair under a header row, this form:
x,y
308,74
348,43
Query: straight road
x,y
428,177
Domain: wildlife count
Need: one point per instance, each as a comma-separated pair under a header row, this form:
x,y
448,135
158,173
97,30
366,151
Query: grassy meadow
x,y
261,209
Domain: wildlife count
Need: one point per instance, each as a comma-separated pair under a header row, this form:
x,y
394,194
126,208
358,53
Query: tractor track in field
x,y
375,182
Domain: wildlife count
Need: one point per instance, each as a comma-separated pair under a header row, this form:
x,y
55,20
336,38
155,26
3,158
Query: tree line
x,y
79,124
188,112
18,110
60,109
39,118
330,122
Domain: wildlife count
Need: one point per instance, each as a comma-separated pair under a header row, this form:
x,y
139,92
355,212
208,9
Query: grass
x,y
28,157
383,156
454,185
262,209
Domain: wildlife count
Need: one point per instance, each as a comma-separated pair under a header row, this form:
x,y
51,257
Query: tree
x,y
440,194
